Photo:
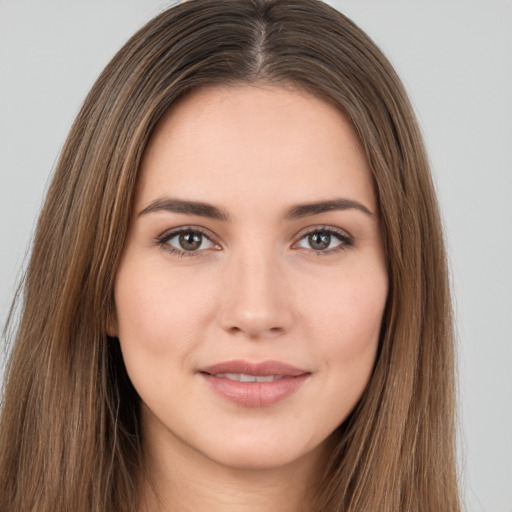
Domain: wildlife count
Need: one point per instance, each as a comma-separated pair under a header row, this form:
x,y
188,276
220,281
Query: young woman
x,y
237,298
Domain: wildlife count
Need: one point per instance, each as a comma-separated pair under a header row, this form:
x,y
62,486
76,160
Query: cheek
x,y
160,315
345,319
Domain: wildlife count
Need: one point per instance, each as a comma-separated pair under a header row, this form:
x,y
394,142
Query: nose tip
x,y
254,325
256,302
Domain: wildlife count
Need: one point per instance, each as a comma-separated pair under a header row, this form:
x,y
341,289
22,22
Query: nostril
x,y
255,315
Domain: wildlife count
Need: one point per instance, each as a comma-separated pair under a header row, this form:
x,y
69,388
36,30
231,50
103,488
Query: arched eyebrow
x,y
213,212
305,210
188,207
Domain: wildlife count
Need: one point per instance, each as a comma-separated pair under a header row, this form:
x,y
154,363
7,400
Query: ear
x,y
112,325
111,333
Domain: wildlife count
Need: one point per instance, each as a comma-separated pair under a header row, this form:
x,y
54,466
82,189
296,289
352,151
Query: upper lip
x,y
258,369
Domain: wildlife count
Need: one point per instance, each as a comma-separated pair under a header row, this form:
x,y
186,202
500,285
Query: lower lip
x,y
255,394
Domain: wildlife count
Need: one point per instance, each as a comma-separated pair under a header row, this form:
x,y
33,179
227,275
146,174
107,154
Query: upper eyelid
x,y
331,229
172,232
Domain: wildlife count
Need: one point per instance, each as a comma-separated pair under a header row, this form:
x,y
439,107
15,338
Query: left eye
x,y
189,241
323,240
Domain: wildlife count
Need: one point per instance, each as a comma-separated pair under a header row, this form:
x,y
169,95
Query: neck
x,y
227,491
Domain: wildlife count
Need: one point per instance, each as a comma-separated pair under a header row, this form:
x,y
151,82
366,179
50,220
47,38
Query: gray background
x,y
455,57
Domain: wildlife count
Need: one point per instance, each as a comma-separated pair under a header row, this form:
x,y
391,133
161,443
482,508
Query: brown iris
x,y
190,241
319,240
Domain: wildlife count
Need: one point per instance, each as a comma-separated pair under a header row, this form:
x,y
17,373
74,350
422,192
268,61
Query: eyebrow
x,y
304,210
213,212
189,207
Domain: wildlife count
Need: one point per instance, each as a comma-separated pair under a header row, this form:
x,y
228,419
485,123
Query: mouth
x,y
238,369
254,384
243,377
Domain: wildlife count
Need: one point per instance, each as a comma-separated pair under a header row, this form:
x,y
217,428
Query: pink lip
x,y
255,394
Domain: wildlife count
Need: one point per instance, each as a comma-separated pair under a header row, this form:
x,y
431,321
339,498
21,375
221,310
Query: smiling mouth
x,y
243,377
254,384
240,369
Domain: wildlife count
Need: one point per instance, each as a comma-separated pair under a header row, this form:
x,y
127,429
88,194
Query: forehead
x,y
243,142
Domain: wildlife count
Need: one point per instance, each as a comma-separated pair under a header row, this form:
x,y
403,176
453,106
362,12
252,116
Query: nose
x,y
256,300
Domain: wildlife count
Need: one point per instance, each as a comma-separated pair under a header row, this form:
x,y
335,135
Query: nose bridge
x,y
255,299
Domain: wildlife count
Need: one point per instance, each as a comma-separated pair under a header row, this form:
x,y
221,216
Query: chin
x,y
253,454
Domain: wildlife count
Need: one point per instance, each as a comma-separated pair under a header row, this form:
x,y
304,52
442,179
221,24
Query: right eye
x,y
186,242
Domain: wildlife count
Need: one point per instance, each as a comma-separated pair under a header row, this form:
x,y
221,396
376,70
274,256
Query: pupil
x,y
190,241
320,240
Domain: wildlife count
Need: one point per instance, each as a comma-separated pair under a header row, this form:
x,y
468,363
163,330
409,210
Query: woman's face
x,y
253,282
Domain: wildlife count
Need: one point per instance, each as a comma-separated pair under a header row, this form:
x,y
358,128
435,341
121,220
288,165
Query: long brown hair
x,y
69,429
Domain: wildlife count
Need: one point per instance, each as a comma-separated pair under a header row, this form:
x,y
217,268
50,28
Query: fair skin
x,y
255,282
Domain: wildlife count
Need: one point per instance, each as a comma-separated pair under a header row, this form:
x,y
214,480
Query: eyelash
x,y
162,240
345,240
